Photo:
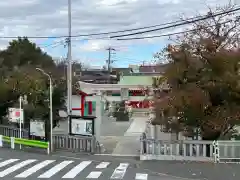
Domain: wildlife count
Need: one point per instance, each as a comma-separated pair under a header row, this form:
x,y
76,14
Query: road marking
x,y
94,175
102,165
120,171
77,169
4,163
55,169
140,176
16,167
34,169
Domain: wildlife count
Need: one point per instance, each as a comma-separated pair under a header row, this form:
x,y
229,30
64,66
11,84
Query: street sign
x,y
14,115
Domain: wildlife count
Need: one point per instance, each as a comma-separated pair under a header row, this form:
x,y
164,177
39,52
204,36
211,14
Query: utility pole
x,y
69,57
109,61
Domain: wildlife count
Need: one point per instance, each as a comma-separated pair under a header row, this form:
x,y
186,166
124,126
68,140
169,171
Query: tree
x,y
22,52
20,77
203,73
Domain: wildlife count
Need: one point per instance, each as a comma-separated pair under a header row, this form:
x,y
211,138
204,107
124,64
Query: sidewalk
x,y
129,144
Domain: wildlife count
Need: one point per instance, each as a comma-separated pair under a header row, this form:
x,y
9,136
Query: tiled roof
x,y
124,71
156,68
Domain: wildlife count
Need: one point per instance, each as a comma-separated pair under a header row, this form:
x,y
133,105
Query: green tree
x,y
23,52
20,77
203,73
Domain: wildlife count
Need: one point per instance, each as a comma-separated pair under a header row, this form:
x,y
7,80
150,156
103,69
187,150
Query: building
x,y
97,76
143,78
160,69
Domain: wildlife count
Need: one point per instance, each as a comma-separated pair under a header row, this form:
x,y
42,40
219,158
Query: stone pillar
x,y
98,120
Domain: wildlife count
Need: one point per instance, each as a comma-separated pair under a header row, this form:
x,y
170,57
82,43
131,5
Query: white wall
x,y
76,103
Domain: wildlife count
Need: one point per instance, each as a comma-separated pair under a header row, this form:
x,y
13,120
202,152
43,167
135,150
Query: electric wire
x,y
179,24
170,25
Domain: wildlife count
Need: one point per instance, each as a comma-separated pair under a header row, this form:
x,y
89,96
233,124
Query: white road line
x,y
16,167
34,169
120,171
55,169
9,161
94,175
77,169
102,165
140,176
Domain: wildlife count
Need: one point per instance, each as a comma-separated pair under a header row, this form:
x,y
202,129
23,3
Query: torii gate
x,y
97,91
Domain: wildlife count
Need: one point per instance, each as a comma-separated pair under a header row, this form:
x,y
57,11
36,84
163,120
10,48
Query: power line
x,y
179,24
96,34
55,44
156,36
168,34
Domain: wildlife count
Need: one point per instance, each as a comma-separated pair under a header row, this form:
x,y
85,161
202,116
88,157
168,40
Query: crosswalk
x,y
66,169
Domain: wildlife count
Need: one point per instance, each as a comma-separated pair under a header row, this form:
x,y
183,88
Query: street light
x,y
51,111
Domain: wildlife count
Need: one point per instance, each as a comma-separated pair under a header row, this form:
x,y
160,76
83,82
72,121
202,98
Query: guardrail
x,y
226,151
13,132
75,143
189,150
23,142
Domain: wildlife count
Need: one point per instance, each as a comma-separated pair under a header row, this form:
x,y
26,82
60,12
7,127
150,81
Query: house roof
x,y
96,75
153,68
124,71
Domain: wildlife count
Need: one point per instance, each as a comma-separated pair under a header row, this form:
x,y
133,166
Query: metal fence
x,y
75,144
13,132
227,151
189,150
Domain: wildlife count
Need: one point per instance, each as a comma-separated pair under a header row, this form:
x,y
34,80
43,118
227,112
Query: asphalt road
x,y
30,166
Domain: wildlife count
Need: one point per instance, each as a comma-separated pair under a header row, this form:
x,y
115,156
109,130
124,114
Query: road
x,y
153,170
29,166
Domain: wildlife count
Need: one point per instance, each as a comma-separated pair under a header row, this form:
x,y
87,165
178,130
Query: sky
x,y
50,18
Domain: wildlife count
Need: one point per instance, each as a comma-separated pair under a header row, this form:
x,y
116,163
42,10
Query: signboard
x,y
14,115
82,125
124,94
37,128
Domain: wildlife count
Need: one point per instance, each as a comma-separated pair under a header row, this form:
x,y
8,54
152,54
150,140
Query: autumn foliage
x,y
203,74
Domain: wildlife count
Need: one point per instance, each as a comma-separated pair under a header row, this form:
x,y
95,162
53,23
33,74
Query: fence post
x,y
141,144
93,144
48,149
1,141
216,152
12,142
144,138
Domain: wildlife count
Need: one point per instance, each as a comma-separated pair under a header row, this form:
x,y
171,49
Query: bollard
x,y
12,142
1,141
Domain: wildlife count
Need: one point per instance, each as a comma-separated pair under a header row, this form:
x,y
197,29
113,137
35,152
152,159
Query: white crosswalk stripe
x,y
55,169
46,169
16,167
120,171
94,175
34,169
9,161
140,176
103,165
77,169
